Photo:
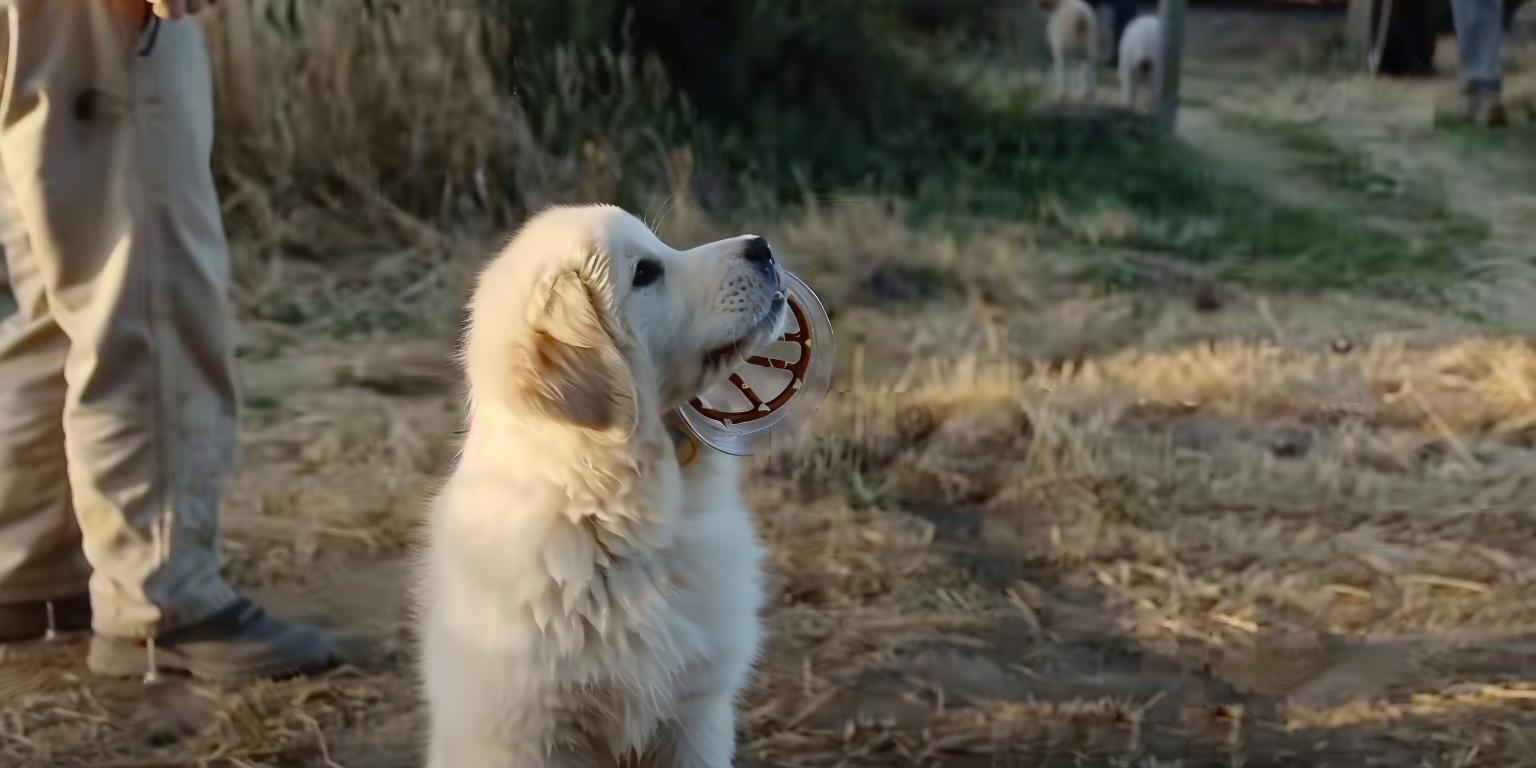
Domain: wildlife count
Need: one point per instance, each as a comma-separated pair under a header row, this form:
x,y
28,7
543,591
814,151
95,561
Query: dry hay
x,y
1266,547
1265,560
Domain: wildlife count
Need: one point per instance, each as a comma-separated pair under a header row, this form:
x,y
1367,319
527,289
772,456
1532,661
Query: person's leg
x,y
43,573
96,145
106,141
1479,41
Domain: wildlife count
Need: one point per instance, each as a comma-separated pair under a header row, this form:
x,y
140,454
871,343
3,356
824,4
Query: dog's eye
x,y
647,271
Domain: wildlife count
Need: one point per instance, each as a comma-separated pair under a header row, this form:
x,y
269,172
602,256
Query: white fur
x,y
1073,32
586,599
1141,63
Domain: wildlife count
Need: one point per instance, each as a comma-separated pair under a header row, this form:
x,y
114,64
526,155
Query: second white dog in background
x,y
1073,32
1141,63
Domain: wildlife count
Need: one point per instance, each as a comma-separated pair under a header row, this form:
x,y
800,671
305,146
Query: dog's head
x,y
586,318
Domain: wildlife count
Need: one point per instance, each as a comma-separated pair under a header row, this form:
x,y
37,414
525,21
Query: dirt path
x,y
1270,118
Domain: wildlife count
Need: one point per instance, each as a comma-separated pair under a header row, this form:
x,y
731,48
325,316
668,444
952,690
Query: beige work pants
x,y
117,405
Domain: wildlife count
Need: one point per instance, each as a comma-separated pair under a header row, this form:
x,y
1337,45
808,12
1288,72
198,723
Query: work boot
x,y
1482,109
44,619
239,642
1487,110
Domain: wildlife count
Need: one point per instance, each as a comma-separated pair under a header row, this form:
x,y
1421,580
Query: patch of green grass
x,y
1324,159
1176,203
260,408
1372,226
1510,150
1412,207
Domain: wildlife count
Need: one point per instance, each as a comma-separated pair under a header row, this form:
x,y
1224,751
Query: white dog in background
x,y
588,598
1141,63
1073,32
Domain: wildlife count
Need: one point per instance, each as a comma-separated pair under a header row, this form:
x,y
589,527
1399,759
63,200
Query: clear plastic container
x,y
777,389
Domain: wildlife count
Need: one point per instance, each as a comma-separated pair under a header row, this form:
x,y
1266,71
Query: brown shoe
x,y
239,642
20,622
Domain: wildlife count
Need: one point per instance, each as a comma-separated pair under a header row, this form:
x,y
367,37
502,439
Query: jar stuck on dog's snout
x,y
778,389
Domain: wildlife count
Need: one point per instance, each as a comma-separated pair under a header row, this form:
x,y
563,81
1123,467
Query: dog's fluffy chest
x,y
605,613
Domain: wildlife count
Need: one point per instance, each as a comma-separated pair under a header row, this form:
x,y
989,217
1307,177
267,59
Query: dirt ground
x,y
1037,523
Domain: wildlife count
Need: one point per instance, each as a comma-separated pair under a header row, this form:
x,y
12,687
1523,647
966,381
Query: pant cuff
x,y
57,589
1484,87
188,609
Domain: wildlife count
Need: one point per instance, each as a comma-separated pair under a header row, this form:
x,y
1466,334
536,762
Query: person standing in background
x,y
117,396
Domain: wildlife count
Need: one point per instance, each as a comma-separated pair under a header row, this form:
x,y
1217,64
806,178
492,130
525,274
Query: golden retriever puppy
x,y
586,597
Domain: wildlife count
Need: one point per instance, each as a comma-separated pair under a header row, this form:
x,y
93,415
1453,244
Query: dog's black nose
x,y
757,251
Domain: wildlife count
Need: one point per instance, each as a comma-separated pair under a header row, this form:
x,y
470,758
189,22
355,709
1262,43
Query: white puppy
x,y
1073,32
1141,63
591,593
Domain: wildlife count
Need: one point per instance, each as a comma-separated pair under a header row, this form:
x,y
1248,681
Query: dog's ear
x,y
577,372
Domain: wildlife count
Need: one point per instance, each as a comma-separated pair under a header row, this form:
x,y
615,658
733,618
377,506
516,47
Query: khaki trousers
x,y
117,403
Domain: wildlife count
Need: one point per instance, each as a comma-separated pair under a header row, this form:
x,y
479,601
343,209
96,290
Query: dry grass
x,y
1177,551
1037,523
313,114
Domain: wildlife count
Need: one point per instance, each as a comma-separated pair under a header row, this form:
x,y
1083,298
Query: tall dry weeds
x,y
351,116
357,108
370,153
